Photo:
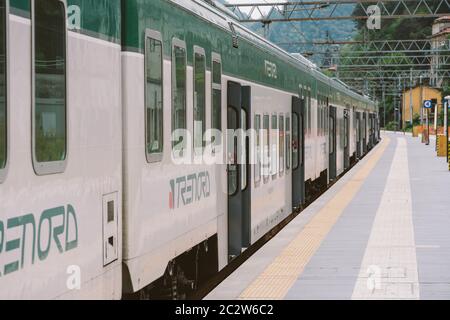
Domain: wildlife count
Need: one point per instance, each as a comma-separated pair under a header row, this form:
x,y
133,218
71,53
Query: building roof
x,y
442,19
425,88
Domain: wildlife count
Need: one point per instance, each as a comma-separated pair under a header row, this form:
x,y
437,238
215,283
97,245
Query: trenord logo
x,y
231,147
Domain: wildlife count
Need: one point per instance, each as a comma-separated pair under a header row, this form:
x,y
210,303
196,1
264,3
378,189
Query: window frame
x,y
310,120
332,124
297,133
235,149
288,148
53,167
176,42
274,136
266,161
155,35
318,121
244,169
258,151
215,57
198,51
282,144
4,170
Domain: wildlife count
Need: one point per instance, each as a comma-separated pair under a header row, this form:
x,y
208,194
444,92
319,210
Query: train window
x,y
281,144
153,96
324,118
178,90
274,143
266,154
310,111
319,110
346,132
49,82
232,153
306,113
199,99
321,119
3,87
295,141
257,149
288,143
244,151
331,144
358,134
216,94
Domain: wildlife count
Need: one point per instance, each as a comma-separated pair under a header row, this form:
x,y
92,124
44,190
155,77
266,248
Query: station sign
x,y
427,104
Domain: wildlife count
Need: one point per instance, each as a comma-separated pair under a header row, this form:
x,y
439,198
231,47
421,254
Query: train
x,y
108,110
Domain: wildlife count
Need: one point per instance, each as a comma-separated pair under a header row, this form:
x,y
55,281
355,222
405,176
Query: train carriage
x,y
60,213
109,110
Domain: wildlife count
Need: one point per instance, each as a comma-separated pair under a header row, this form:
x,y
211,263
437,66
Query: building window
x,y
216,95
49,80
257,149
3,86
178,91
153,96
199,100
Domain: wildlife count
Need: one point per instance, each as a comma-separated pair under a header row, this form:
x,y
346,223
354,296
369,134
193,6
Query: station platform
x,y
381,232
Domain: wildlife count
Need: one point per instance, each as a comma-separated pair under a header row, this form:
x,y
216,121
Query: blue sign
x,y
427,104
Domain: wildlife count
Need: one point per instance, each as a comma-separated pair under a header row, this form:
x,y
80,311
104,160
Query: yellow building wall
x,y
427,94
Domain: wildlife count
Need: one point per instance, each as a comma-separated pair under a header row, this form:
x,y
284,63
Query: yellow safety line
x,y
276,280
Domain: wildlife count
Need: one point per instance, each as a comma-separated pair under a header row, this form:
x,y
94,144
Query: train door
x,y
346,139
332,143
358,135
237,168
298,153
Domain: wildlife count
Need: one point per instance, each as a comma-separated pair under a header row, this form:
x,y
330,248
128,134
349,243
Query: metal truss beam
x,y
267,12
389,74
380,46
364,62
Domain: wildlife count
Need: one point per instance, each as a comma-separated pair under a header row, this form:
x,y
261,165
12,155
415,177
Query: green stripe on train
x,y
99,18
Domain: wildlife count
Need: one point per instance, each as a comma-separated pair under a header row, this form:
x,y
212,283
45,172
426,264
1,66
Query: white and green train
x,y
92,201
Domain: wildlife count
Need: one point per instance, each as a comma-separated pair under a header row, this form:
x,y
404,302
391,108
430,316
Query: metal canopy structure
x,y
379,68
268,12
